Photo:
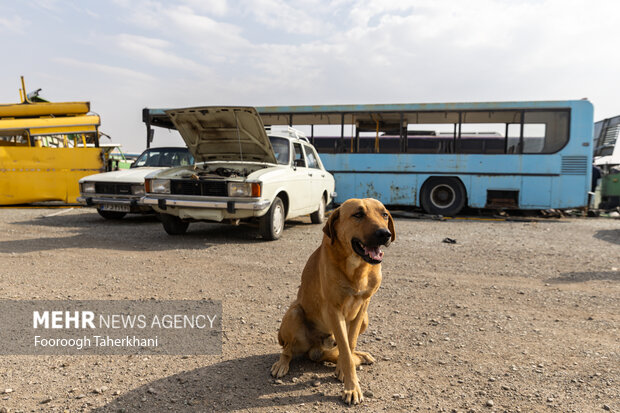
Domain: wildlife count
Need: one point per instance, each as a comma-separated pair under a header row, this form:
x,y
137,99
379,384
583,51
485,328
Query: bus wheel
x,y
443,196
173,225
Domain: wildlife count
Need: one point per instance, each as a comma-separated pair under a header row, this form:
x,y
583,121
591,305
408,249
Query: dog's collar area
x,y
372,255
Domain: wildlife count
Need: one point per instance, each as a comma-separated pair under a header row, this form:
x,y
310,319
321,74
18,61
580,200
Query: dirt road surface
x,y
516,316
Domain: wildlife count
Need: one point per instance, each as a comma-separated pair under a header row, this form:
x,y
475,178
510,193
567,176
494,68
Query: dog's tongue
x,y
374,253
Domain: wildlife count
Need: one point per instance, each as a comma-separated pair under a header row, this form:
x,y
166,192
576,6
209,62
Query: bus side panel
x,y
480,184
345,187
570,198
535,192
391,189
45,174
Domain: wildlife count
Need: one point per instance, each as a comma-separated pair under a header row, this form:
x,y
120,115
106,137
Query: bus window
x,y
545,131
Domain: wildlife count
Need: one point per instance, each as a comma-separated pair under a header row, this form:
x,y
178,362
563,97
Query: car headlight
x,y
88,187
159,186
244,189
137,189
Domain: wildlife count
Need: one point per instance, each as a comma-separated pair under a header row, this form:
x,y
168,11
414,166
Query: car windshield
x,y
281,148
164,157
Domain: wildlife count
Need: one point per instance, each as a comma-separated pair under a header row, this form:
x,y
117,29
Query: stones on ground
x,y
278,381
316,383
8,390
369,394
100,390
490,403
45,401
151,390
80,396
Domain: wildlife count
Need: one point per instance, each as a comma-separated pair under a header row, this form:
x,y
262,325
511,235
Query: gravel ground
x,y
516,316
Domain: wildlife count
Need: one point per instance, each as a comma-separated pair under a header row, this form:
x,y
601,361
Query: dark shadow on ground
x,y
132,233
579,277
231,385
609,235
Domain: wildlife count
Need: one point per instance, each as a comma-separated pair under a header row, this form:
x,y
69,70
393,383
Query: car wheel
x,y
443,196
318,216
173,225
272,223
111,214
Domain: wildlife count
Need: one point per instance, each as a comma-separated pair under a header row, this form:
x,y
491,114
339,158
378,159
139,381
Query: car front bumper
x,y
216,209
132,202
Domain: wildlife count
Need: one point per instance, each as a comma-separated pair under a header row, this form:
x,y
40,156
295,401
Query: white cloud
x,y
158,52
279,14
13,24
114,71
210,7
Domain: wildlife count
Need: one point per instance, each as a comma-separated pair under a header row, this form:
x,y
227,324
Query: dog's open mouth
x,y
372,255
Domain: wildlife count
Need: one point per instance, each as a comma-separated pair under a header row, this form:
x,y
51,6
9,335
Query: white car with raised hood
x,y
242,171
117,193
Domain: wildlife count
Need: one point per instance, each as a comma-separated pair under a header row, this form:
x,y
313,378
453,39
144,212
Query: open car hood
x,y
223,133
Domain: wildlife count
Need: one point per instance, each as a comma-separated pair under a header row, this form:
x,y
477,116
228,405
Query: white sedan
x,y
242,171
118,193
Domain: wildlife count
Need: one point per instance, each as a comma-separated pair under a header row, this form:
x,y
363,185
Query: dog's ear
x,y
330,226
391,226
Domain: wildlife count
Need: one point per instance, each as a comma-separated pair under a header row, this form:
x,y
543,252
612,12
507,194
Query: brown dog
x,y
336,286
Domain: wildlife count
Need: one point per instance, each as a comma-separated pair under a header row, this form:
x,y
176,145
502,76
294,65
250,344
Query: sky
x,y
125,55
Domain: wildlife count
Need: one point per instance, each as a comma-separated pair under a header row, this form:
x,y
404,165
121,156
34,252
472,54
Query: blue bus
x,y
445,156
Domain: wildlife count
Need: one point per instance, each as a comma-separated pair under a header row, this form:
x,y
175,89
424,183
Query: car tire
x,y
443,196
318,216
271,224
173,225
111,214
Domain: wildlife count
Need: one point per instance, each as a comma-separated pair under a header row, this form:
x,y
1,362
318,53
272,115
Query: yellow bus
x,y
45,148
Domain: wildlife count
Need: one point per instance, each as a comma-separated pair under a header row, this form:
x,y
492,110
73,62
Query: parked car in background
x,y
243,171
117,193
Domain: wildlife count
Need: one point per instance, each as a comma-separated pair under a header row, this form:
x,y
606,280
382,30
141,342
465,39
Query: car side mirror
x,y
133,164
300,162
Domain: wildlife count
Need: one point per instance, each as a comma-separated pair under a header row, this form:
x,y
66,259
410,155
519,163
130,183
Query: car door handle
x,y
309,174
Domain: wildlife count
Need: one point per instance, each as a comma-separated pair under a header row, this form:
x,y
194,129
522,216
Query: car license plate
x,y
115,207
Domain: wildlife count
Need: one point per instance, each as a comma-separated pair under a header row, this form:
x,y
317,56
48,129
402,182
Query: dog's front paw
x,y
362,357
353,396
279,369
